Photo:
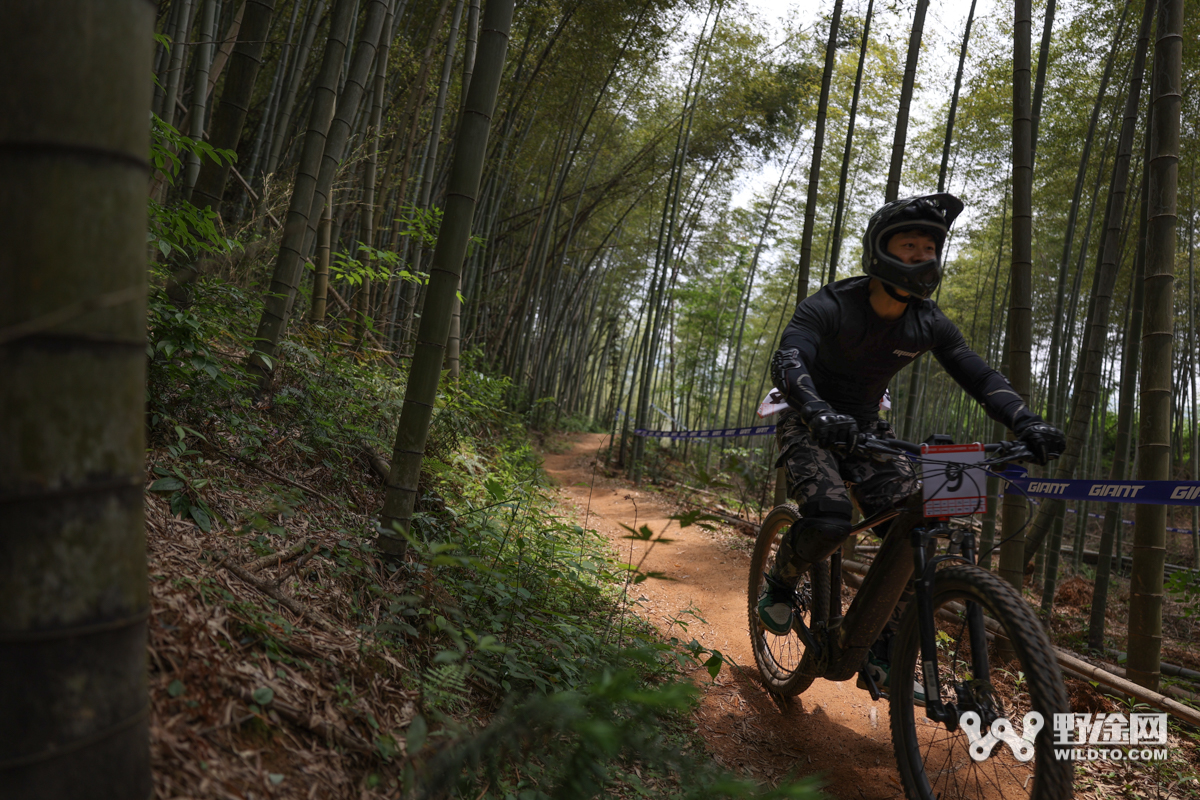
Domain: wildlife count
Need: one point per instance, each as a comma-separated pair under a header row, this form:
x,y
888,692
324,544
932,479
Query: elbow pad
x,y
785,369
786,372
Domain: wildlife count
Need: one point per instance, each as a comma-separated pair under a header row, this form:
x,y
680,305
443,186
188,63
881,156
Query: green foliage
x,y
183,482
510,601
372,263
187,367
444,686
185,364
180,229
578,743
423,224
580,423
1184,587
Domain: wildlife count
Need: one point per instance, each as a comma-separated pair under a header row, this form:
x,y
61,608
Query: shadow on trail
x,y
772,738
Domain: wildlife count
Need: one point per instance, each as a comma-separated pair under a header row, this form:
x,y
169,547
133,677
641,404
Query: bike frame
x,y
837,649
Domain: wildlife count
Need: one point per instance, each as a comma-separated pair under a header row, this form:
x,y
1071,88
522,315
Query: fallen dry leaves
x,y
251,699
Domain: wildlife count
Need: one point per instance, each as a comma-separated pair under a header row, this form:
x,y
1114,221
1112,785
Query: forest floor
x,y
833,729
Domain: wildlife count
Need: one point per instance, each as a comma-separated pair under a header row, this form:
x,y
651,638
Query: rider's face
x,y
912,247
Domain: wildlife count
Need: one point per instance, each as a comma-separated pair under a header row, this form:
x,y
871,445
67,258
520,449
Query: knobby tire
x,y
935,763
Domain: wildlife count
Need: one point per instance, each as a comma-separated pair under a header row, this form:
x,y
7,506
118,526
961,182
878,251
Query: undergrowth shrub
x,y
529,612
535,681
580,742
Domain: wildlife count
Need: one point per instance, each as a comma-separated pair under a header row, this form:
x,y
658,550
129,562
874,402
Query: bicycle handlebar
x,y
1006,451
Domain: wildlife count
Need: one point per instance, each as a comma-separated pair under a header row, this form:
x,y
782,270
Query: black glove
x,y
831,429
1044,441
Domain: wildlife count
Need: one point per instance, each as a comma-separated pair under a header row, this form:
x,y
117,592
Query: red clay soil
x,y
833,728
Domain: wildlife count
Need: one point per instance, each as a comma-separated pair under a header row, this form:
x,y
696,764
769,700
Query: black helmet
x,y
932,214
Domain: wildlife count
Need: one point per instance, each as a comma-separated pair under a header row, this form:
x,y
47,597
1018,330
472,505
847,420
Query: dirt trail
x,y
833,728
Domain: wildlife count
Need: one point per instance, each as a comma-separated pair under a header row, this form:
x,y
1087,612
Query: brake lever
x,y
876,446
1013,451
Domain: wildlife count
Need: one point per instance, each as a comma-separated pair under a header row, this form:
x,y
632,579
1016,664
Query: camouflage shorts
x,y
817,477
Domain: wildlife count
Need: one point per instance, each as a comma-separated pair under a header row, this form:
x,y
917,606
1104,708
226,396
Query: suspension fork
x,y
923,570
980,670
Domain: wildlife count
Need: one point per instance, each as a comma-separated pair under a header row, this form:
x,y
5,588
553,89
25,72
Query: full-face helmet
x,y
932,214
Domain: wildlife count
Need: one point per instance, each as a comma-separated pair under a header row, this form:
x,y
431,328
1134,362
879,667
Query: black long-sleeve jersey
x,y
850,353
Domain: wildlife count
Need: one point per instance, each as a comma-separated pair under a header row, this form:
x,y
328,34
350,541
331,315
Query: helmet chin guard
x,y
894,293
931,214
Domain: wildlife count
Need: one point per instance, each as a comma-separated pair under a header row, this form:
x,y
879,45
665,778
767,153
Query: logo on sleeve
x,y
905,354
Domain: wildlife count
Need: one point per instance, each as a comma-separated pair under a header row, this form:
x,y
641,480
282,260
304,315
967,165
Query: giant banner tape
x,y
1159,493
756,430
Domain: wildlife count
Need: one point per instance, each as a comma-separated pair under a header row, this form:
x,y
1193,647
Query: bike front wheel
x,y
1022,676
779,657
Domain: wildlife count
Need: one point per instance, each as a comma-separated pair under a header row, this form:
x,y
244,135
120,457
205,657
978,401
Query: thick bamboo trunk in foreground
x,y
74,107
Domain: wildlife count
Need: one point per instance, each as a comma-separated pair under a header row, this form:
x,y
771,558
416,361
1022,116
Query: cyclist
x,y
834,362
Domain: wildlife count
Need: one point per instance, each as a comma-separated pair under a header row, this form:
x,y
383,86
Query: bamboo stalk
x,y
275,593
295,551
420,393
286,275
1154,389
74,142
321,280
906,92
814,169
1020,316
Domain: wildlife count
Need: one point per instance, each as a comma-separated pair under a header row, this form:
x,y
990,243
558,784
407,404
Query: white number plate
x,y
950,490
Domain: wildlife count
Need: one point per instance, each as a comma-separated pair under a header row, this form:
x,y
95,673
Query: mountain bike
x,y
967,640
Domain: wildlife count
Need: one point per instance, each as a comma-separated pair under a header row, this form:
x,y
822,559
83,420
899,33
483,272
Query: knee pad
x,y
829,528
814,539
827,508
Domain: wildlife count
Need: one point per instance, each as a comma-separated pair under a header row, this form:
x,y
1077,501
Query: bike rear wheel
x,y
779,657
937,763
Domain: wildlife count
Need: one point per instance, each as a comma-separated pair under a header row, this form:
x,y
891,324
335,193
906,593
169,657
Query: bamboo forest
x,y
521,399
